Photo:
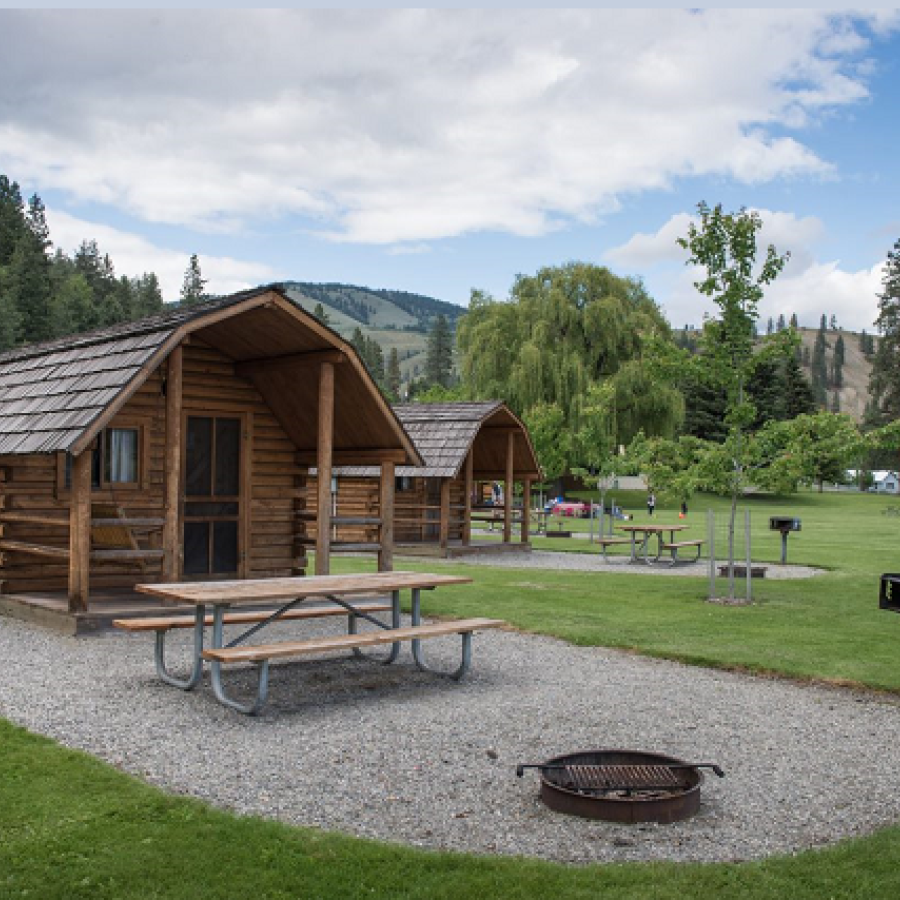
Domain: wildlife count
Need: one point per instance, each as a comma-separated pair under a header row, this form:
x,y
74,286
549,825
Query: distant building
x,y
884,482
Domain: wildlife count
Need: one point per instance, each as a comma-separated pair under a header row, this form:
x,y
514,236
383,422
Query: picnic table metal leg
x,y
394,652
419,656
189,683
262,688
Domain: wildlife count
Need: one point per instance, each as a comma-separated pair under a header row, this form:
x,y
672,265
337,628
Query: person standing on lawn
x,y
651,503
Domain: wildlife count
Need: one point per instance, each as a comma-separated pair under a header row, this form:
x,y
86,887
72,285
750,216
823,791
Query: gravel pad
x,y
397,754
594,562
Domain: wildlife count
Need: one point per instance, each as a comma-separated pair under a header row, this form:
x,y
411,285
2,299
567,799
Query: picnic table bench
x,y
289,593
611,541
674,546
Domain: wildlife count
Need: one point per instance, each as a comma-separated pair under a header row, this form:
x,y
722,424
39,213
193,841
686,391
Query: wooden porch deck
x,y
51,609
456,549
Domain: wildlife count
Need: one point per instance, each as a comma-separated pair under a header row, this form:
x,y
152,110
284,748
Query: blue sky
x,y
440,150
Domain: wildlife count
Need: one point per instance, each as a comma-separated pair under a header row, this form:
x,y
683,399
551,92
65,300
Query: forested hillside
x,y
397,320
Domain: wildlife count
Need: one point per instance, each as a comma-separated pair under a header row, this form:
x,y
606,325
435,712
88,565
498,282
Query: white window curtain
x,y
122,455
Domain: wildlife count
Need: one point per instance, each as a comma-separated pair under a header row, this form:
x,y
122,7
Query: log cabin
x,y
470,450
178,447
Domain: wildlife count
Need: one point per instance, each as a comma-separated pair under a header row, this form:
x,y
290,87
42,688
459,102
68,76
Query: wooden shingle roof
x,y
445,432
56,396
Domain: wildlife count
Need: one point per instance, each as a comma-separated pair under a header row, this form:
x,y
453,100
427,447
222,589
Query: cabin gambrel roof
x,y
56,396
445,432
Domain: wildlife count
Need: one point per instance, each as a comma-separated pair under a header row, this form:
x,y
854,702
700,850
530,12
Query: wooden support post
x,y
173,548
444,527
80,533
324,447
467,503
526,510
386,511
508,491
246,507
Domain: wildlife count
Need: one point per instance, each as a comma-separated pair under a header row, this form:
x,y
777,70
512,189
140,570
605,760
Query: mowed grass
x,y
72,827
826,628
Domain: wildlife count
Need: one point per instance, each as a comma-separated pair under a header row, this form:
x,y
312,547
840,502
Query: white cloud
x,y
406,126
807,286
133,255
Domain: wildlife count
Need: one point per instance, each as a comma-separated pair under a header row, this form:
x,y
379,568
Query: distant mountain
x,y
393,318
376,308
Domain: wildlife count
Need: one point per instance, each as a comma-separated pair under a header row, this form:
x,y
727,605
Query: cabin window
x,y
120,456
115,460
404,484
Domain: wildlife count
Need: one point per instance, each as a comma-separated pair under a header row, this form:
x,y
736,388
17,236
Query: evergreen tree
x,y
794,324
836,402
839,350
833,322
798,394
10,321
376,360
393,374
837,374
192,288
781,323
439,355
321,315
770,326
884,382
147,296
823,323
807,362
29,276
863,342
12,219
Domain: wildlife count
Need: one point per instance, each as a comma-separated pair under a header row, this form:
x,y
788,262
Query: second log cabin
x,y
475,453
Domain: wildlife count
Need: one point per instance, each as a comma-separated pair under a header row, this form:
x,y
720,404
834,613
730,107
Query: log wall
x,y
274,544
416,511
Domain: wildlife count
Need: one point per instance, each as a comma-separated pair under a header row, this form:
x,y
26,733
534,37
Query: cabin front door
x,y
212,496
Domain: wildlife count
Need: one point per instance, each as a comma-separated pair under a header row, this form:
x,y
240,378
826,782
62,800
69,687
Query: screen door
x,y
212,501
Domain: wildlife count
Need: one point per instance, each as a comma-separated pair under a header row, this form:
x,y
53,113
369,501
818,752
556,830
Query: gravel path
x,y
401,755
590,562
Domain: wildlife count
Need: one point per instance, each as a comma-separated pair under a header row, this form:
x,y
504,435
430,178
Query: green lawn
x,y
71,827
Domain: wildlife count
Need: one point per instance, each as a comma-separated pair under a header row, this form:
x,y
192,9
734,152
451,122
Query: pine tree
x,y
798,394
836,402
147,294
884,382
439,356
29,276
321,315
863,342
770,326
834,322
10,321
781,323
192,288
393,374
806,357
823,324
794,324
12,219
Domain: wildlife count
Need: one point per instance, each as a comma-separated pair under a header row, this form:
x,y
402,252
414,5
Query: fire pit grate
x,y
622,785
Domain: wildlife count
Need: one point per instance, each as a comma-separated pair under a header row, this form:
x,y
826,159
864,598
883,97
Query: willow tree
x,y
562,331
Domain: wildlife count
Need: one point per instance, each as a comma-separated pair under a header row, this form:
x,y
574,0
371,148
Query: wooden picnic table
x,y
648,531
287,594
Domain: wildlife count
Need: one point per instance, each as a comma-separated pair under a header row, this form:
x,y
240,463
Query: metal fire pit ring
x,y
665,805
